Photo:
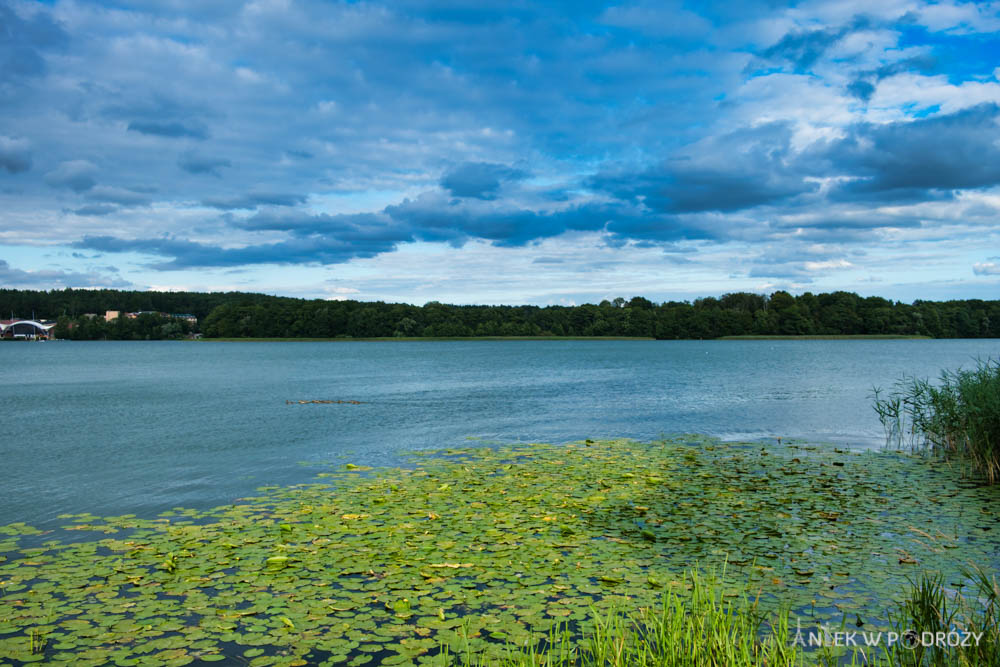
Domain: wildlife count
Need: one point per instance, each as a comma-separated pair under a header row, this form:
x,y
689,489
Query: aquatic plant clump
x,y
960,415
693,626
959,625
472,552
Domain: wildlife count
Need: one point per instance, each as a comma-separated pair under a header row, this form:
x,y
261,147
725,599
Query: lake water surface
x,y
114,428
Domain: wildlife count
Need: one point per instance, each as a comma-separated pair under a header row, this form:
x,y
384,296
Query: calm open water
x,y
115,428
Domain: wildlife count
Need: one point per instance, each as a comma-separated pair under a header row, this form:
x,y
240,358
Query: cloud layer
x,y
736,146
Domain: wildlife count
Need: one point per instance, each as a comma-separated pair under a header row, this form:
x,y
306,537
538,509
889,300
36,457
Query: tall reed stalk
x,y
960,415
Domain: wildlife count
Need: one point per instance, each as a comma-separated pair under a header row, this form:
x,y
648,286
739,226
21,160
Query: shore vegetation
x,y
957,416
80,315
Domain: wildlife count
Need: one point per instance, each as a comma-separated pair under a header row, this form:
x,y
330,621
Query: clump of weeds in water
x,y
932,607
36,642
960,415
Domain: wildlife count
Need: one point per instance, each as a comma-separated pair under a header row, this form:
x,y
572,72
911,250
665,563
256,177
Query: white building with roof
x,y
25,329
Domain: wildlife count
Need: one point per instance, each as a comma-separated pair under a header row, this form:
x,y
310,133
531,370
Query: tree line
x,y
243,315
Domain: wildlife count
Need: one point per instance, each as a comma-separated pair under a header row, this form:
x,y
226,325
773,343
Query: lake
x,y
114,428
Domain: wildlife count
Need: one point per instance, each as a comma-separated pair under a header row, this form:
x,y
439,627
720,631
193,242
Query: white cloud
x,y
960,17
804,99
248,75
917,91
829,264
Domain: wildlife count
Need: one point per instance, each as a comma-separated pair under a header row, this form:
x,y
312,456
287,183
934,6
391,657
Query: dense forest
x,y
76,302
239,315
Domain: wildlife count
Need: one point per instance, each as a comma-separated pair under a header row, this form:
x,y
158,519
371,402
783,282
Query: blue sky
x,y
520,153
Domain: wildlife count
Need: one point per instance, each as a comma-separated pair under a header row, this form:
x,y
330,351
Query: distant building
x,y
115,314
25,329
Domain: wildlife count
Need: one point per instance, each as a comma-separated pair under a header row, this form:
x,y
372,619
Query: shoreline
x,y
415,339
833,337
431,339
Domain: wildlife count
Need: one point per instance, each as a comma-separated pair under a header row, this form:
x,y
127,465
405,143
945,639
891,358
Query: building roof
x,y
6,324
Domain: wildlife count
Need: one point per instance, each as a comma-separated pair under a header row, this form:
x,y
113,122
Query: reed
x,y
971,615
959,415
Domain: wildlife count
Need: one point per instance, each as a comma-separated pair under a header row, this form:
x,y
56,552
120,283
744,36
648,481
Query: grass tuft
x,y
695,625
934,610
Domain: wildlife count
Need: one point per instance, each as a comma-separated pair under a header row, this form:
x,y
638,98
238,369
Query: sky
x,y
520,153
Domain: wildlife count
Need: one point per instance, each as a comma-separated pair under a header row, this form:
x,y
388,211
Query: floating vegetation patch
x,y
470,552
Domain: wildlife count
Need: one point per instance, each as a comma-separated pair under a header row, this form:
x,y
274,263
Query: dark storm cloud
x,y
14,155
303,223
76,175
481,180
802,48
253,200
740,170
430,218
187,254
456,221
332,239
200,164
647,229
901,160
23,42
842,222
864,83
168,129
121,196
95,210
433,218
861,89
